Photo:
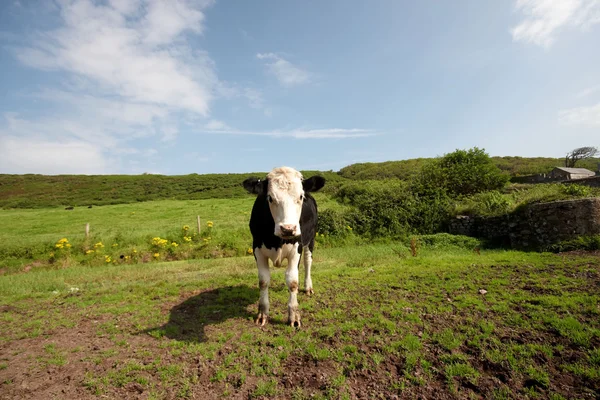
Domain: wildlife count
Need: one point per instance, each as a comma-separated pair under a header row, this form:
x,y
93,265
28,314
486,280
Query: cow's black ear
x,y
313,184
255,185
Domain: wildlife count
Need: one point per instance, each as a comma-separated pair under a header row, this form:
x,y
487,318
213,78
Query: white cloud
x,y
286,73
38,155
588,91
543,19
131,73
131,51
589,116
335,133
234,91
215,125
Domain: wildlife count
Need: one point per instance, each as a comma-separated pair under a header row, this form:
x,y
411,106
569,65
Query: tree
x,y
581,153
461,173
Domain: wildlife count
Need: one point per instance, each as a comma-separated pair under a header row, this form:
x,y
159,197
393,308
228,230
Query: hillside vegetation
x,y
41,191
405,169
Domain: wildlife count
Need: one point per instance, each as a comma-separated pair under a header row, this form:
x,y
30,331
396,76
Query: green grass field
x,y
379,324
449,322
29,237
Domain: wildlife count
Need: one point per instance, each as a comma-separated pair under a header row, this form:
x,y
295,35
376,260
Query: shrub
x,y
381,208
389,208
580,243
485,204
576,190
461,173
333,222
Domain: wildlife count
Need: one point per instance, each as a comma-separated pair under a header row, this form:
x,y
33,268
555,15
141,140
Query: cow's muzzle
x,y
288,231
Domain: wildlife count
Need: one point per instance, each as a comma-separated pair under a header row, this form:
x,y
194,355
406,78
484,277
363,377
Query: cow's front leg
x,y
291,279
308,286
264,278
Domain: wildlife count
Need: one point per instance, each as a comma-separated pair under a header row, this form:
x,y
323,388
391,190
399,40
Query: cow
x,y
283,224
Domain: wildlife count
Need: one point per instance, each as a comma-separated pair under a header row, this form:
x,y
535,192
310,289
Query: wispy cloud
x,y
133,48
38,155
334,133
132,73
589,116
216,125
286,73
543,19
588,92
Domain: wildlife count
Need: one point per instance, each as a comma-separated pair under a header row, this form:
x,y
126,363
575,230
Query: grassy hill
x,y
40,191
515,166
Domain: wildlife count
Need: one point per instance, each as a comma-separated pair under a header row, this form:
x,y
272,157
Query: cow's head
x,y
284,189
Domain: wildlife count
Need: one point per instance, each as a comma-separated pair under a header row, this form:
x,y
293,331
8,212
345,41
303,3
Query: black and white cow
x,y
283,226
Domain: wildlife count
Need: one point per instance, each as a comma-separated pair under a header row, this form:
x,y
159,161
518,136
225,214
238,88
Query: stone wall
x,y
535,226
594,181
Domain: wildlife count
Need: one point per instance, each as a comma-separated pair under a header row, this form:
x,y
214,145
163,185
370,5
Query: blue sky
x,y
176,87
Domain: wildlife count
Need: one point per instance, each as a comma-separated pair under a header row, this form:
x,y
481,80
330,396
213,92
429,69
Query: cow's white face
x,y
284,189
285,195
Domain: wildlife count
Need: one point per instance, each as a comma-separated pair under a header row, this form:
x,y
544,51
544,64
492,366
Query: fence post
x,y
87,230
198,220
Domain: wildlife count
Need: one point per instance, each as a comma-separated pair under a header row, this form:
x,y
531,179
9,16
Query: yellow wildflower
x,y
89,252
250,251
68,245
115,244
209,224
107,259
59,245
159,242
187,238
349,228
134,251
156,255
98,245
174,244
186,227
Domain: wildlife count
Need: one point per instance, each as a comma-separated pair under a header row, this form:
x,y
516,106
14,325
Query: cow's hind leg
x,y
264,278
291,279
308,287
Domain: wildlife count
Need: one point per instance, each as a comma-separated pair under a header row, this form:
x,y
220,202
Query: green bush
x,y
576,190
381,208
333,222
485,204
461,173
389,208
580,243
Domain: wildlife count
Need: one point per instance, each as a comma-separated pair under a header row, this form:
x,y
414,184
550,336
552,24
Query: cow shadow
x,y
188,320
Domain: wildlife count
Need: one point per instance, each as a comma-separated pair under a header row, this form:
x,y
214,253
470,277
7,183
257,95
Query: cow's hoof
x,y
295,324
294,320
261,319
309,291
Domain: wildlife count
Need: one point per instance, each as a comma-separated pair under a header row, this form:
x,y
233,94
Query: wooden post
x,y
87,230
198,220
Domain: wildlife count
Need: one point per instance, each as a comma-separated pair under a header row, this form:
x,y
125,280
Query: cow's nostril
x,y
287,230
